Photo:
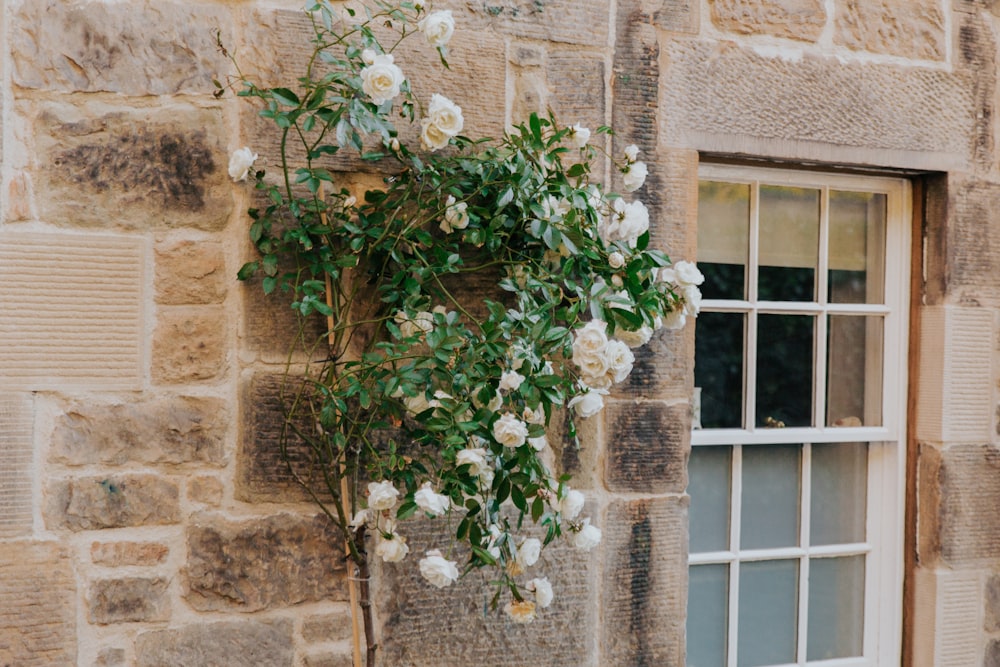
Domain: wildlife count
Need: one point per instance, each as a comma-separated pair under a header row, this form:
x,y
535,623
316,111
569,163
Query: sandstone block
x,y
110,657
189,344
205,489
970,494
37,606
189,272
328,659
265,563
173,430
326,628
16,454
992,658
227,644
907,28
90,47
132,169
647,446
663,367
270,326
971,268
118,501
569,21
644,601
123,554
991,621
794,19
128,600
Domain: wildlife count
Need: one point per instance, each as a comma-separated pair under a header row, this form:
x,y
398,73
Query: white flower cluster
x,y
685,277
633,171
602,361
381,79
240,163
443,122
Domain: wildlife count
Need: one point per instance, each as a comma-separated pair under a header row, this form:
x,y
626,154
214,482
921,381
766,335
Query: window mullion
x,y
822,297
805,505
750,325
736,484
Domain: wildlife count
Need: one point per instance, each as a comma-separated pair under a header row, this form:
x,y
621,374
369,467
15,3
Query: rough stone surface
x,y
662,369
183,429
326,628
110,657
571,21
205,489
189,272
115,501
972,263
90,47
907,28
263,563
644,590
128,600
992,657
37,606
991,619
327,659
647,446
227,644
576,87
794,19
16,464
122,554
135,169
970,494
189,344
425,626
269,325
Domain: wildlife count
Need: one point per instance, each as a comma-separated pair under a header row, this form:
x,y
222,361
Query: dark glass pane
x,y
789,243
708,615
783,283
718,368
723,281
857,239
709,483
770,497
784,370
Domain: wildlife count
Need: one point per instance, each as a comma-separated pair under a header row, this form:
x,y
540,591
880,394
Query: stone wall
x,y
144,519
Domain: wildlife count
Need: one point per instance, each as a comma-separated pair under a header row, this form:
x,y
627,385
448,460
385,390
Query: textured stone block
x,y
992,657
90,47
328,659
573,21
270,328
647,446
264,563
972,267
37,606
227,644
644,584
663,367
124,554
189,344
906,28
576,87
118,501
947,618
991,620
205,489
110,657
70,311
185,429
794,19
729,99
190,272
970,494
16,455
456,628
133,169
129,600
326,628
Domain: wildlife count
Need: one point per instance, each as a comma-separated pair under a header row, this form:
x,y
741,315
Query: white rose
x,y
587,537
588,348
620,360
687,273
433,503
438,570
475,458
631,152
539,443
578,136
240,163
571,504
616,260
368,56
520,612
542,590
692,300
381,80
495,403
417,404
634,175
528,552
510,381
534,416
431,136
445,114
437,27
382,495
392,549
418,4
421,323
636,338
675,319
394,145
633,221
556,207
360,519
589,403
455,216
510,431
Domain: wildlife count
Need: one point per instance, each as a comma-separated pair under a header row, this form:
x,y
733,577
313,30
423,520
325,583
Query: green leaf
x,y
285,96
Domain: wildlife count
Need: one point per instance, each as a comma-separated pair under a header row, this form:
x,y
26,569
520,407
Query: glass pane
x,y
784,370
857,244
854,371
723,238
770,498
707,615
838,497
836,607
718,368
768,613
789,243
709,477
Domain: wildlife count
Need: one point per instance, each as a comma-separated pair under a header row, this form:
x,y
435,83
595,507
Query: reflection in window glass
x,y
784,370
854,371
718,368
839,489
836,607
857,240
770,498
723,238
789,243
769,595
709,475
707,617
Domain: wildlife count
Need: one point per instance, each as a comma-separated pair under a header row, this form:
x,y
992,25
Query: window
x,y
796,469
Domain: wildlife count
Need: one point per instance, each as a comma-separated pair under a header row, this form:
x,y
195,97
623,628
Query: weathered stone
x,y
264,563
525,54
578,458
424,626
123,554
643,600
573,21
110,657
929,504
327,659
37,606
977,54
129,600
205,489
16,456
794,19
190,272
326,628
992,657
117,501
647,446
529,96
907,28
132,169
228,644
972,265
576,87
91,47
189,344
991,620
663,367
185,429
970,494
17,203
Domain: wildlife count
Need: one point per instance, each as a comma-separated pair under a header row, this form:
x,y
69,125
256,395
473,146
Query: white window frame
x,y
886,463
